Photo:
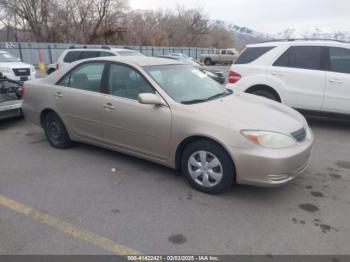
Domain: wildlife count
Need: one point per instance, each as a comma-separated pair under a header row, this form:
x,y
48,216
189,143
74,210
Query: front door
x,y
129,125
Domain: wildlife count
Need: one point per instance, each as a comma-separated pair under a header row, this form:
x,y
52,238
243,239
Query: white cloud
x,y
266,15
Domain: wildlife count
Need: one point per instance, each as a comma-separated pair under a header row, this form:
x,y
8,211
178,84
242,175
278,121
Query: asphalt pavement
x,y
88,200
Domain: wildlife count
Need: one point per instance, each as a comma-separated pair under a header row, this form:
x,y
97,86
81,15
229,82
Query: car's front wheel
x,y
56,132
208,167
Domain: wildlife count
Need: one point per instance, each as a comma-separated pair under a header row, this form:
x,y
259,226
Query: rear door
x,y
79,100
299,71
337,98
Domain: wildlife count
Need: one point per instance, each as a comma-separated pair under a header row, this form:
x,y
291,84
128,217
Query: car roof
x,y
100,49
300,42
140,61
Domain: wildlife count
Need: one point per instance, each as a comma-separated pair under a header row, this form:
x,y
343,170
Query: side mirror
x,y
150,99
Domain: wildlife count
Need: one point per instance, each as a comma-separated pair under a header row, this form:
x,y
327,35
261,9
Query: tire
x,y
208,62
267,94
55,131
195,172
50,71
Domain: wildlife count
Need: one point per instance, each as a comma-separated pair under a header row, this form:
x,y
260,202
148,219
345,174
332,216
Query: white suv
x,y
71,55
310,75
12,68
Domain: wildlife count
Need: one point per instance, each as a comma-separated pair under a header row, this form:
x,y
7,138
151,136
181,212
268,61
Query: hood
x,y
253,112
14,65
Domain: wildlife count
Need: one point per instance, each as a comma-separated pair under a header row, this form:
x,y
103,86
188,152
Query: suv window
x,y
72,56
250,54
89,54
127,82
303,57
223,52
104,53
87,77
339,60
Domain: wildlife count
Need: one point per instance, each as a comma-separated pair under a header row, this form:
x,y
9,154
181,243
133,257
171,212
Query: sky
x,y
268,16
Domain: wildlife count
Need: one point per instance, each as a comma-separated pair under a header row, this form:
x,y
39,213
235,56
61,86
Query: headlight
x,y
267,139
5,70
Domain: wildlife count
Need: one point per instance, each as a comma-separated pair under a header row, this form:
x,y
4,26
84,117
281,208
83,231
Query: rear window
x,y
303,57
250,54
72,56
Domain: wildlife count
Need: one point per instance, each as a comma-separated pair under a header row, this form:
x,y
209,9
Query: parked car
x,y
180,55
72,55
213,73
226,56
10,98
310,75
172,114
12,68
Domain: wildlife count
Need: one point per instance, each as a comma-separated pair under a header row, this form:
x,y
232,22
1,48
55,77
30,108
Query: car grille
x,y
22,71
300,135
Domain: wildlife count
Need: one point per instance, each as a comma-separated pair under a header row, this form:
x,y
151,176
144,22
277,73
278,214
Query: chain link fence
x,y
49,52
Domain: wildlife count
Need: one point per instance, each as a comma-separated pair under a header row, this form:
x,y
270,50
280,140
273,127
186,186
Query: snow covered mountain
x,y
314,33
245,35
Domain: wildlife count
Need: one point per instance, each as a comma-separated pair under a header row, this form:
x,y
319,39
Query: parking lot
x,y
88,200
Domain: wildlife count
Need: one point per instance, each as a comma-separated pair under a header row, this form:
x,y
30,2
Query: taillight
x,y
23,89
233,77
57,66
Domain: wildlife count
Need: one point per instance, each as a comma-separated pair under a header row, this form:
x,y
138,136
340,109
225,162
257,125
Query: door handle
x,y
275,73
58,95
109,106
335,81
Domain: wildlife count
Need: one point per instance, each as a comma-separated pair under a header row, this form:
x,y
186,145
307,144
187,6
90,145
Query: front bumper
x,y
20,78
265,167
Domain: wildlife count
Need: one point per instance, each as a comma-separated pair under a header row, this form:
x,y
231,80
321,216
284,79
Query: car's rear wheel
x,y
50,71
208,62
56,132
267,94
208,167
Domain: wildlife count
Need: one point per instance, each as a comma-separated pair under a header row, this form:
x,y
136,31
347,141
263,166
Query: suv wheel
x,y
267,94
208,62
56,132
208,167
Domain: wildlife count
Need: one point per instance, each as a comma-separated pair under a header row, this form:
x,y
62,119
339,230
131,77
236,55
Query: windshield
x,y
186,84
4,57
130,53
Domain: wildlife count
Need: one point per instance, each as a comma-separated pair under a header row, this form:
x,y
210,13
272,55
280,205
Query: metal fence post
x,y
20,51
50,54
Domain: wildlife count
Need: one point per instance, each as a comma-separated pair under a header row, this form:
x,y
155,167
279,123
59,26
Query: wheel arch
x,y
264,87
45,111
187,141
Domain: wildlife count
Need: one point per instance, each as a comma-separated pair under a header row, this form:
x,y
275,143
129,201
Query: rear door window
x,y
339,60
72,56
303,57
250,54
87,76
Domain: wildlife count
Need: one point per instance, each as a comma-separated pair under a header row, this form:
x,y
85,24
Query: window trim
x,y
78,65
